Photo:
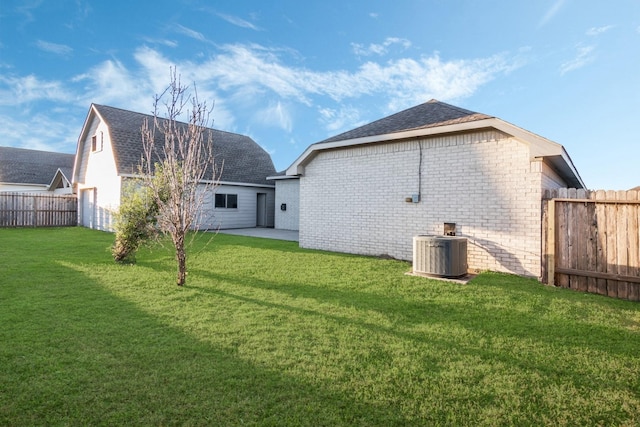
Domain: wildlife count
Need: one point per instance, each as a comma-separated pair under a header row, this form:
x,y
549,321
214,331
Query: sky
x,y
292,73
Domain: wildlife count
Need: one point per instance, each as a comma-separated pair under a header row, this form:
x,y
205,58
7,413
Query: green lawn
x,y
265,333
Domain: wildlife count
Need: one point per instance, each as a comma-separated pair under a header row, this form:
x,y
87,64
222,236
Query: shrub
x,y
135,222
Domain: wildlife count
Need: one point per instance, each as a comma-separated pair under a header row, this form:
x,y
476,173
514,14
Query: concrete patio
x,y
266,233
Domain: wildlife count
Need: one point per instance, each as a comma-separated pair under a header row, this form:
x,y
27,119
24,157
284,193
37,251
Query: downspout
x,y
420,173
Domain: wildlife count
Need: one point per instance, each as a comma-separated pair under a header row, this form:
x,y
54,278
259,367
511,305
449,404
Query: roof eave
x,y
80,145
210,182
563,165
24,184
540,147
297,168
282,177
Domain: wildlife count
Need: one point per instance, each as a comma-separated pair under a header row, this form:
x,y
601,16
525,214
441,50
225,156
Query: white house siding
x,y
22,188
245,216
97,171
353,199
550,179
287,193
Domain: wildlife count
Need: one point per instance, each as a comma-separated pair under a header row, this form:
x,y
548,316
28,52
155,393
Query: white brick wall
x,y
353,199
288,193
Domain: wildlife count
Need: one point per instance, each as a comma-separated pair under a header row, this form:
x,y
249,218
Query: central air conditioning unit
x,y
440,256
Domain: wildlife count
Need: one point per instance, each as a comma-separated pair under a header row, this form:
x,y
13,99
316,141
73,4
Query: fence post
x,y
551,243
34,218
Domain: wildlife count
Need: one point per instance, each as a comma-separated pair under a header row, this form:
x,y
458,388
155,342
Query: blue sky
x,y
291,73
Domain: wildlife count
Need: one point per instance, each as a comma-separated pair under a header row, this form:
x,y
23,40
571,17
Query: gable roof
x,y
33,167
61,179
244,160
438,118
430,114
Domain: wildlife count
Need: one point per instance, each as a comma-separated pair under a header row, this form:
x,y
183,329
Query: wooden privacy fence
x,y
38,210
591,241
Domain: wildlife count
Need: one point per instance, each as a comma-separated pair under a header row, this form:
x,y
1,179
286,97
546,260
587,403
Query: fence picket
x,y
597,239
591,225
634,244
601,250
37,210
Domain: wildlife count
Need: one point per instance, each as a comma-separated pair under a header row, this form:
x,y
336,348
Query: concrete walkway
x,y
266,233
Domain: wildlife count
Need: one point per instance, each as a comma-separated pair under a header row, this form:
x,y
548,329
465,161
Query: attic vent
x,y
440,256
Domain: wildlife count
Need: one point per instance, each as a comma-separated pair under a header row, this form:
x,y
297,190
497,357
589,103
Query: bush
x,y
135,222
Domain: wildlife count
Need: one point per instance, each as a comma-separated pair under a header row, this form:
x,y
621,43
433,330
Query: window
x,y
229,201
95,144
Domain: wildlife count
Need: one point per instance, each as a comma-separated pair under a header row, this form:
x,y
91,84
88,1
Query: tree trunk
x,y
181,258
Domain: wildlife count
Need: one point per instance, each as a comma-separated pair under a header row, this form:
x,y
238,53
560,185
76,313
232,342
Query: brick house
x,y
371,189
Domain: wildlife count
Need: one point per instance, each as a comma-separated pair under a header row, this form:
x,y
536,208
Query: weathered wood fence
x,y
38,210
591,241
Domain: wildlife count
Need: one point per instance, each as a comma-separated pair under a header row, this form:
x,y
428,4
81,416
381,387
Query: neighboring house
x,y
370,190
34,171
109,152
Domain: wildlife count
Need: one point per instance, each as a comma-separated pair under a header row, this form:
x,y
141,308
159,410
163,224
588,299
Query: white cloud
x,y
58,49
596,31
254,70
379,49
250,78
249,73
337,120
551,12
154,76
408,81
190,33
27,8
40,132
111,83
155,68
239,22
165,42
583,57
22,90
276,115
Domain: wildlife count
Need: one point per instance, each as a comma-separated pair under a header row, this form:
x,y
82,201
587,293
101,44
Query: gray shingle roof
x,y
430,114
23,166
244,160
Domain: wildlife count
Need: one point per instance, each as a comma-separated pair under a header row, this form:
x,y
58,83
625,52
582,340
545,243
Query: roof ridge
x,y
37,151
164,118
245,160
455,107
428,114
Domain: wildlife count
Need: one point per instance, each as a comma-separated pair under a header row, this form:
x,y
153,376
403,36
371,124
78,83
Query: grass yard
x,y
268,334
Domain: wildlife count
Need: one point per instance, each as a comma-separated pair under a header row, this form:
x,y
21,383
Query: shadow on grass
x,y
220,240
73,352
76,354
468,312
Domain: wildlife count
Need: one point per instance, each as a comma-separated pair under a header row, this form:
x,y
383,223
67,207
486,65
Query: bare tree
x,y
178,164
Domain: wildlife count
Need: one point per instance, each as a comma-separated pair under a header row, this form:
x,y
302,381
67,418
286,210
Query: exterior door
x,y
87,205
261,212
